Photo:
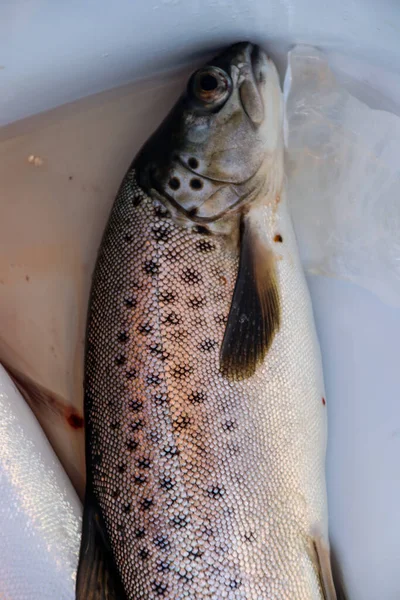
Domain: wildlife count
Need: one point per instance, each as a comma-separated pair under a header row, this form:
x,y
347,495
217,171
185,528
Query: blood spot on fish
x,y
179,521
128,238
278,238
132,445
160,589
130,302
147,503
196,302
153,379
197,397
162,233
201,229
131,374
145,328
151,267
161,541
207,345
136,405
172,319
120,360
193,162
75,421
144,554
123,337
182,371
166,483
196,184
140,533
323,401
174,183
144,463
205,246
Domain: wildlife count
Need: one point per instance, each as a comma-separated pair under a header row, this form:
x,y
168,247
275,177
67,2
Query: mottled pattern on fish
x,y
209,488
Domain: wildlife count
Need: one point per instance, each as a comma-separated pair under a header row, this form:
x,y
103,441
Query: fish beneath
x,y
204,397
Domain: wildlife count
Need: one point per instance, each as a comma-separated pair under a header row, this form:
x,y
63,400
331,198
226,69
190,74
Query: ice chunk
x,y
343,178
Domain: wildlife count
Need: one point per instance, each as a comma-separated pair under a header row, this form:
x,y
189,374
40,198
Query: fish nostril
x,y
174,183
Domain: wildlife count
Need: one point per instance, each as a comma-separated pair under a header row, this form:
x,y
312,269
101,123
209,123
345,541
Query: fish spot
x,y
190,275
131,374
157,351
182,422
116,493
70,177
151,267
137,425
121,469
140,533
144,463
229,425
153,379
130,302
185,576
167,297
123,337
195,553
196,302
166,483
174,183
75,421
115,425
172,254
139,479
170,451
205,246
197,397
201,229
323,401
144,554
172,319
161,541
127,508
207,345
128,238
147,503
136,200
193,162
182,371
162,233
132,445
120,360
192,212
215,491
234,584
161,399
163,566
249,537
221,319
160,588
136,405
179,521
161,212
145,328
278,238
96,459
27,278
196,183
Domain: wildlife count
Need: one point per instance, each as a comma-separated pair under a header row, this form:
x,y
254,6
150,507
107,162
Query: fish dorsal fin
x,y
97,577
254,316
331,581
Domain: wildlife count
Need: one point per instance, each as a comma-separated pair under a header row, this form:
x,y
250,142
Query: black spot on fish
x,y
221,319
156,350
196,301
182,371
116,493
192,212
136,405
136,200
144,554
196,184
127,508
207,345
161,399
249,537
96,459
191,276
195,553
201,229
153,379
229,425
137,425
163,566
197,397
179,521
120,527
131,374
215,491
120,360
172,319
130,302
182,422
234,584
172,254
128,238
193,162
151,267
204,246
123,337
167,297
170,451
132,445
144,463
174,183
147,503
162,233
160,211
166,483
121,468
161,541
139,479
140,533
145,328
160,588
115,425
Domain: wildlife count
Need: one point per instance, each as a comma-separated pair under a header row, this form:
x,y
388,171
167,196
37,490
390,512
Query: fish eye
x,y
211,86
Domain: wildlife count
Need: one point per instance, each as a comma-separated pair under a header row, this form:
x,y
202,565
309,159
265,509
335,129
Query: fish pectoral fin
x,y
97,577
254,316
332,588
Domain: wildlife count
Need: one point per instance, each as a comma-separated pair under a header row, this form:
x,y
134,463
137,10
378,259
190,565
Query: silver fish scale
x,y
183,466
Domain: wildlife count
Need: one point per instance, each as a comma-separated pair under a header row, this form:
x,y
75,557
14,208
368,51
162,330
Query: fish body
x,y
40,513
204,395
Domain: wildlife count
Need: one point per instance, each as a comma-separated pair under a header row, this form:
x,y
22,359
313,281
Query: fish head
x,y
207,156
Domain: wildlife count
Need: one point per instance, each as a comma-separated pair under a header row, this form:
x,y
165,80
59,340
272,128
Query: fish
x,y
40,512
205,411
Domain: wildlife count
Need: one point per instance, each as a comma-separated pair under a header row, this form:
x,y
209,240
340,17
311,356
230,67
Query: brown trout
x,y
204,394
